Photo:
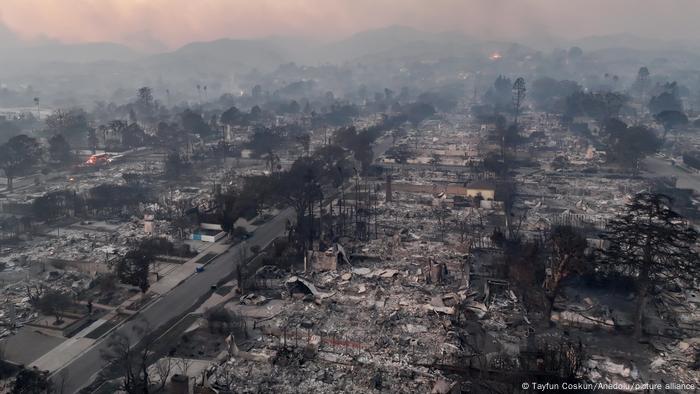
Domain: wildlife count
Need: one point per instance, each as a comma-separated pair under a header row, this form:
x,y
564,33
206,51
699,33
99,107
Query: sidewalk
x,y
180,274
61,354
72,347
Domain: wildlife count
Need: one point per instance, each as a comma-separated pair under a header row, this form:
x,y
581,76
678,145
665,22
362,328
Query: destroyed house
x,y
328,260
487,189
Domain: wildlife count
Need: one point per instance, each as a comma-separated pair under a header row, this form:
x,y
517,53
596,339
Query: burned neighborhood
x,y
444,205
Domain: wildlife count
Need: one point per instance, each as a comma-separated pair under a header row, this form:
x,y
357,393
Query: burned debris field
x,y
437,206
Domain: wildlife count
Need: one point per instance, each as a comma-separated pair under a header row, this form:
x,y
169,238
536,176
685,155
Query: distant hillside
x,y
628,41
68,53
220,56
89,72
373,42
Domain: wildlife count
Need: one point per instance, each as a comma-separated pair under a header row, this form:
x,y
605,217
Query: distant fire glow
x,y
495,56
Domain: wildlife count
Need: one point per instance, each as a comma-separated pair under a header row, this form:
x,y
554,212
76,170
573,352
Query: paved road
x,y
657,167
83,369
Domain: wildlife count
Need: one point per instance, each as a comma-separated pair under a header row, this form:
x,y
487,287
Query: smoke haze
x,y
162,24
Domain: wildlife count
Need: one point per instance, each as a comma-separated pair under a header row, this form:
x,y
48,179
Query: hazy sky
x,y
170,23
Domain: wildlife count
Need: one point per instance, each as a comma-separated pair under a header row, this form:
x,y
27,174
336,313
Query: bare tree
x,y
184,365
34,293
163,368
131,359
442,214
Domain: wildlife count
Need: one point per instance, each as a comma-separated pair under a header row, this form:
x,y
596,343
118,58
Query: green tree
x,y
18,155
550,95
193,122
265,140
54,303
599,106
232,117
255,114
59,149
665,101
31,381
653,244
133,136
628,145
671,120
359,142
133,268
499,96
